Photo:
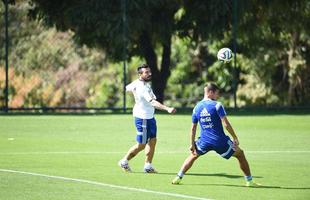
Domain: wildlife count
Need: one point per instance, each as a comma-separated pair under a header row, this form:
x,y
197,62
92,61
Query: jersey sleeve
x,y
220,110
194,115
130,87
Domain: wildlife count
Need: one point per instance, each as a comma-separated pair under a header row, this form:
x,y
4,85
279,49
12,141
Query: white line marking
x,y
122,152
105,184
81,152
275,151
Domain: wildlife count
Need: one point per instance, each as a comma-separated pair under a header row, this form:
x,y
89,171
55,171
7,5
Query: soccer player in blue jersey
x,y
211,116
143,112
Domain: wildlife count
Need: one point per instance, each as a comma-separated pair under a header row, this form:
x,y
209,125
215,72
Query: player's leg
x,y
201,149
132,152
226,148
141,139
150,150
188,163
149,154
244,166
150,146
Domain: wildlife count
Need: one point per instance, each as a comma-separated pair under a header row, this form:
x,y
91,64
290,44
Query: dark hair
x,y
212,87
142,66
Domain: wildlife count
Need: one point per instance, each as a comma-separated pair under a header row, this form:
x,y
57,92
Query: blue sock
x,y
248,178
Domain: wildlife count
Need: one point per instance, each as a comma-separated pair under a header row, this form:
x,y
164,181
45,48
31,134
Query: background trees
x,y
178,39
275,37
149,26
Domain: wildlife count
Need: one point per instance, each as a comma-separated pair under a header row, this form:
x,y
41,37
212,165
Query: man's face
x,y
216,94
146,74
213,95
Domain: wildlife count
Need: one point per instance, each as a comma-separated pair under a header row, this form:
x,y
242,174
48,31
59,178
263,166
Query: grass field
x,y
75,157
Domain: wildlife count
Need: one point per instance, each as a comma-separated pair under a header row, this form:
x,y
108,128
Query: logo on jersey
x,y
204,113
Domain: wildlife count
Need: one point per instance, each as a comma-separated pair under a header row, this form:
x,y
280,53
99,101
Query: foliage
x,y
149,25
48,69
281,44
73,62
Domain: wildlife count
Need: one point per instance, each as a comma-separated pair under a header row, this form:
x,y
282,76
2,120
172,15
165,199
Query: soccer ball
x,y
225,55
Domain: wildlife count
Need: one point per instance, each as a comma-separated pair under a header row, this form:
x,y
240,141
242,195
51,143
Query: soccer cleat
x,y
124,166
176,180
252,184
150,170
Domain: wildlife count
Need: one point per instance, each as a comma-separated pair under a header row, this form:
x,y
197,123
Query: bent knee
x,y
140,147
194,156
238,153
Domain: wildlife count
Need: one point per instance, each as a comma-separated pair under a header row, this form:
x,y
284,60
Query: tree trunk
x,y
295,64
159,77
165,70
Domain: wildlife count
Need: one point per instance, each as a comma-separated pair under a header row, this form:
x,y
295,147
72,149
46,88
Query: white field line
x,y
104,184
275,151
122,152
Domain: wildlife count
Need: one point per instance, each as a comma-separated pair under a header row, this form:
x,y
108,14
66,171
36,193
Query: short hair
x,y
211,87
144,65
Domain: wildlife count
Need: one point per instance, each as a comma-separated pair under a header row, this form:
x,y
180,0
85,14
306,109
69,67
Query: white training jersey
x,y
143,94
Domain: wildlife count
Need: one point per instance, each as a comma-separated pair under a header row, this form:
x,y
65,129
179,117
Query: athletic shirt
x,y
209,114
143,94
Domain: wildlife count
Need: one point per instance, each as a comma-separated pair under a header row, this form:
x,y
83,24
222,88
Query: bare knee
x,y
193,157
140,147
136,149
239,153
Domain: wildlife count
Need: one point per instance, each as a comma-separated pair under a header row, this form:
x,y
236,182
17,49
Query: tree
x,y
150,25
275,36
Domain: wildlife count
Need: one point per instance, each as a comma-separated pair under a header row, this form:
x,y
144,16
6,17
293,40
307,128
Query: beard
x,y
147,79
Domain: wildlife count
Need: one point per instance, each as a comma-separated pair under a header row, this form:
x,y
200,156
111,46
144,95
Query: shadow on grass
x,y
260,187
229,185
211,175
220,175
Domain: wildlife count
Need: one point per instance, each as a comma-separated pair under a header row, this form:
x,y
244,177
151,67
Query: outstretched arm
x,y
160,106
230,129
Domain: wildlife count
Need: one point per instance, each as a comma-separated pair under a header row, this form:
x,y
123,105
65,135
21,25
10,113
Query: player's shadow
x,y
220,175
260,187
216,174
234,177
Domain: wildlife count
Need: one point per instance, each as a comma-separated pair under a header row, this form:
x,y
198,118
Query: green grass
x,y
88,148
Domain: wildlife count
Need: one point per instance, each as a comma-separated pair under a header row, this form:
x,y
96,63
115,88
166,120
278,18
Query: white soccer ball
x,y
225,55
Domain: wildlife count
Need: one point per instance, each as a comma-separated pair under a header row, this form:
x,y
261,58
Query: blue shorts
x,y
146,129
224,148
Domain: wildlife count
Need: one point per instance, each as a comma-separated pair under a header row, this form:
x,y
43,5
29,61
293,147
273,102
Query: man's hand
x,y
171,110
235,143
192,148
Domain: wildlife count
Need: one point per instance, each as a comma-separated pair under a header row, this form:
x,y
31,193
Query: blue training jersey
x,y
209,113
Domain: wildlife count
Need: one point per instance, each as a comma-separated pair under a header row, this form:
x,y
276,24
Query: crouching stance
x,y
211,116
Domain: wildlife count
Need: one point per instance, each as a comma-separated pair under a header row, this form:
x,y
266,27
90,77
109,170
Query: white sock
x,y
147,165
248,178
124,161
180,174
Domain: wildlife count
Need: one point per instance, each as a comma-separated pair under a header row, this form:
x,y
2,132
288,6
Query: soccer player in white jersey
x,y
211,115
143,112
